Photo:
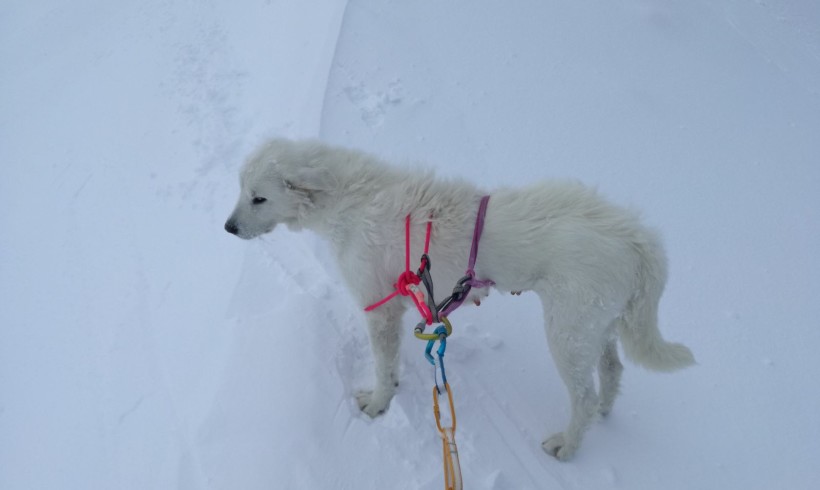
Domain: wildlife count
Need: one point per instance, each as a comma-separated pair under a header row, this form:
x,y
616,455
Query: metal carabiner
x,y
437,411
419,330
460,291
452,466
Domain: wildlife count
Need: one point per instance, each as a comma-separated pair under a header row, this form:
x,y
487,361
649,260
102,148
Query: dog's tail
x,y
638,326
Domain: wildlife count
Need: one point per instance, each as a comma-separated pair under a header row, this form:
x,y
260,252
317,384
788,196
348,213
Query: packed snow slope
x,y
142,347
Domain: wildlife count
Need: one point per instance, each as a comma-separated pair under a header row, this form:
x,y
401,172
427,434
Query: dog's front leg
x,y
383,326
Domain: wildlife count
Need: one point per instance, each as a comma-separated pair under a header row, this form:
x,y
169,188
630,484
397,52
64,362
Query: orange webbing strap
x,y
452,467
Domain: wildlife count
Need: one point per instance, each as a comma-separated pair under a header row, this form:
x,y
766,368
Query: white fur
x,y
598,271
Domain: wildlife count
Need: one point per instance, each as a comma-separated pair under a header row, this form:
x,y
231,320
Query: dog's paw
x,y
370,404
557,447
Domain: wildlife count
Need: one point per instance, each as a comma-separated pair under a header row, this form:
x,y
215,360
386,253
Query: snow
x,y
141,346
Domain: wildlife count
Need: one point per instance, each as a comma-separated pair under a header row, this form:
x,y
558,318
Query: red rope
x,y
408,280
407,244
385,300
426,246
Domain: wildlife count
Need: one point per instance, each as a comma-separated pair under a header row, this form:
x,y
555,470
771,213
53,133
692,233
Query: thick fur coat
x,y
598,271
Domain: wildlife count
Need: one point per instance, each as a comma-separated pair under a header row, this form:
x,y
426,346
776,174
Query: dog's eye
x,y
258,200
289,186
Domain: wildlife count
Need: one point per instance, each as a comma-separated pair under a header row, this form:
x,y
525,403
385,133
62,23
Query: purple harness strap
x,y
471,281
479,228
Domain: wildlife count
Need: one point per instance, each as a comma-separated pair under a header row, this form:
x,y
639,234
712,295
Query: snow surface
x,y
142,347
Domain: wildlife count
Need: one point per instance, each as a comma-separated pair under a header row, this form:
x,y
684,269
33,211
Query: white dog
x,y
598,271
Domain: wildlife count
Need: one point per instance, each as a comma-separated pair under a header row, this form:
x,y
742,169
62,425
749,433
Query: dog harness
x,y
408,281
407,284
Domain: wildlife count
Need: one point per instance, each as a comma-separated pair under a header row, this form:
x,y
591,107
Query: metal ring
x,y
433,336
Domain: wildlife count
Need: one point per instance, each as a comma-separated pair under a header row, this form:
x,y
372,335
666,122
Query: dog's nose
x,y
231,227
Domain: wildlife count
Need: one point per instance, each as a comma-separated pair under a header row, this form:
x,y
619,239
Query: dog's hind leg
x,y
383,326
609,376
575,358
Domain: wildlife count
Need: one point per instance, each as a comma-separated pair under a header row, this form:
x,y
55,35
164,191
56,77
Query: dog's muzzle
x,y
230,227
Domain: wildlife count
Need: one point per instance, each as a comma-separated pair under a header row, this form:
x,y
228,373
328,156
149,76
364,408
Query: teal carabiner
x,y
441,332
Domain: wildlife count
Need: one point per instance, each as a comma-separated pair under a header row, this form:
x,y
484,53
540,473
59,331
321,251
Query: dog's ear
x,y
311,178
312,174
309,184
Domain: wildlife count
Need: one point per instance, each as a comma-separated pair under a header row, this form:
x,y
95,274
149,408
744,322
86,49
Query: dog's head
x,y
280,183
